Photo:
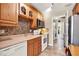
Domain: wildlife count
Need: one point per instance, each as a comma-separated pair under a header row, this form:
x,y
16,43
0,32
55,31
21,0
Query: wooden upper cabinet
x,y
35,18
35,15
76,9
24,11
40,17
9,13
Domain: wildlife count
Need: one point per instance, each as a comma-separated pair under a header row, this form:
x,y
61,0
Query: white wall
x,y
49,25
67,14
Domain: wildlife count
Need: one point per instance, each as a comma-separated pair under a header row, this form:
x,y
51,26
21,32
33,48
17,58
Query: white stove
x,y
44,41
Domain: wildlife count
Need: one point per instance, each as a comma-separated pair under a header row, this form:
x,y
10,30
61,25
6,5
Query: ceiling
x,y
57,8
61,8
41,6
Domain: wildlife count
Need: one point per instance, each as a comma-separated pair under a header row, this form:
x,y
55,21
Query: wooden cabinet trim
x,y
11,25
7,22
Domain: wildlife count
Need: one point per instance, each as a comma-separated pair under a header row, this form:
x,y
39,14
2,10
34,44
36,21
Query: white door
x,y
60,35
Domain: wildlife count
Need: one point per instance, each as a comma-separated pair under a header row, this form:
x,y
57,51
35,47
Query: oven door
x,y
44,42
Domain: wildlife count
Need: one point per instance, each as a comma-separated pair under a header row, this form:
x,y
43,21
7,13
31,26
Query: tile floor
x,y
52,51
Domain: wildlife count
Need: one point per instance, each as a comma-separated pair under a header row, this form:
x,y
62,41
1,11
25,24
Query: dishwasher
x,y
14,50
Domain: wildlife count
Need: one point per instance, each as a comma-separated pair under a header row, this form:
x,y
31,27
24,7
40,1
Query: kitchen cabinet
x,y
28,12
8,14
24,11
40,16
34,47
30,48
14,50
36,15
34,22
37,46
76,9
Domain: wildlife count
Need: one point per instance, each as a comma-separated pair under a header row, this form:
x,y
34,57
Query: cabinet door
x,y
34,23
36,47
77,8
30,48
22,9
9,12
39,45
13,12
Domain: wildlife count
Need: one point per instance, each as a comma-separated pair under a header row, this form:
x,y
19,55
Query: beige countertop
x,y
16,39
74,49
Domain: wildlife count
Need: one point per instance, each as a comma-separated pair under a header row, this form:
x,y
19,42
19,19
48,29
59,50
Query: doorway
x,y
54,32
58,33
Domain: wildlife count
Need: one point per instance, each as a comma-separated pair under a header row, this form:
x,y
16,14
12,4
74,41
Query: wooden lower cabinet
x,y
34,47
30,50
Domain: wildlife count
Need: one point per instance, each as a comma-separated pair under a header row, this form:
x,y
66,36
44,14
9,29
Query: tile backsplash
x,y
24,27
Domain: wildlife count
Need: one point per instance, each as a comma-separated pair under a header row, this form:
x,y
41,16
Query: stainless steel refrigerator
x,y
73,30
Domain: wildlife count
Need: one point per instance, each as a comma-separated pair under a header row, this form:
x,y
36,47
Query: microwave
x,y
40,23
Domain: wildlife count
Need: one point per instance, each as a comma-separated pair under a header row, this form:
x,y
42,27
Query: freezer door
x,y
75,29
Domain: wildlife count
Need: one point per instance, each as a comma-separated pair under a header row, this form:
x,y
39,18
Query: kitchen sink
x,y
4,39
